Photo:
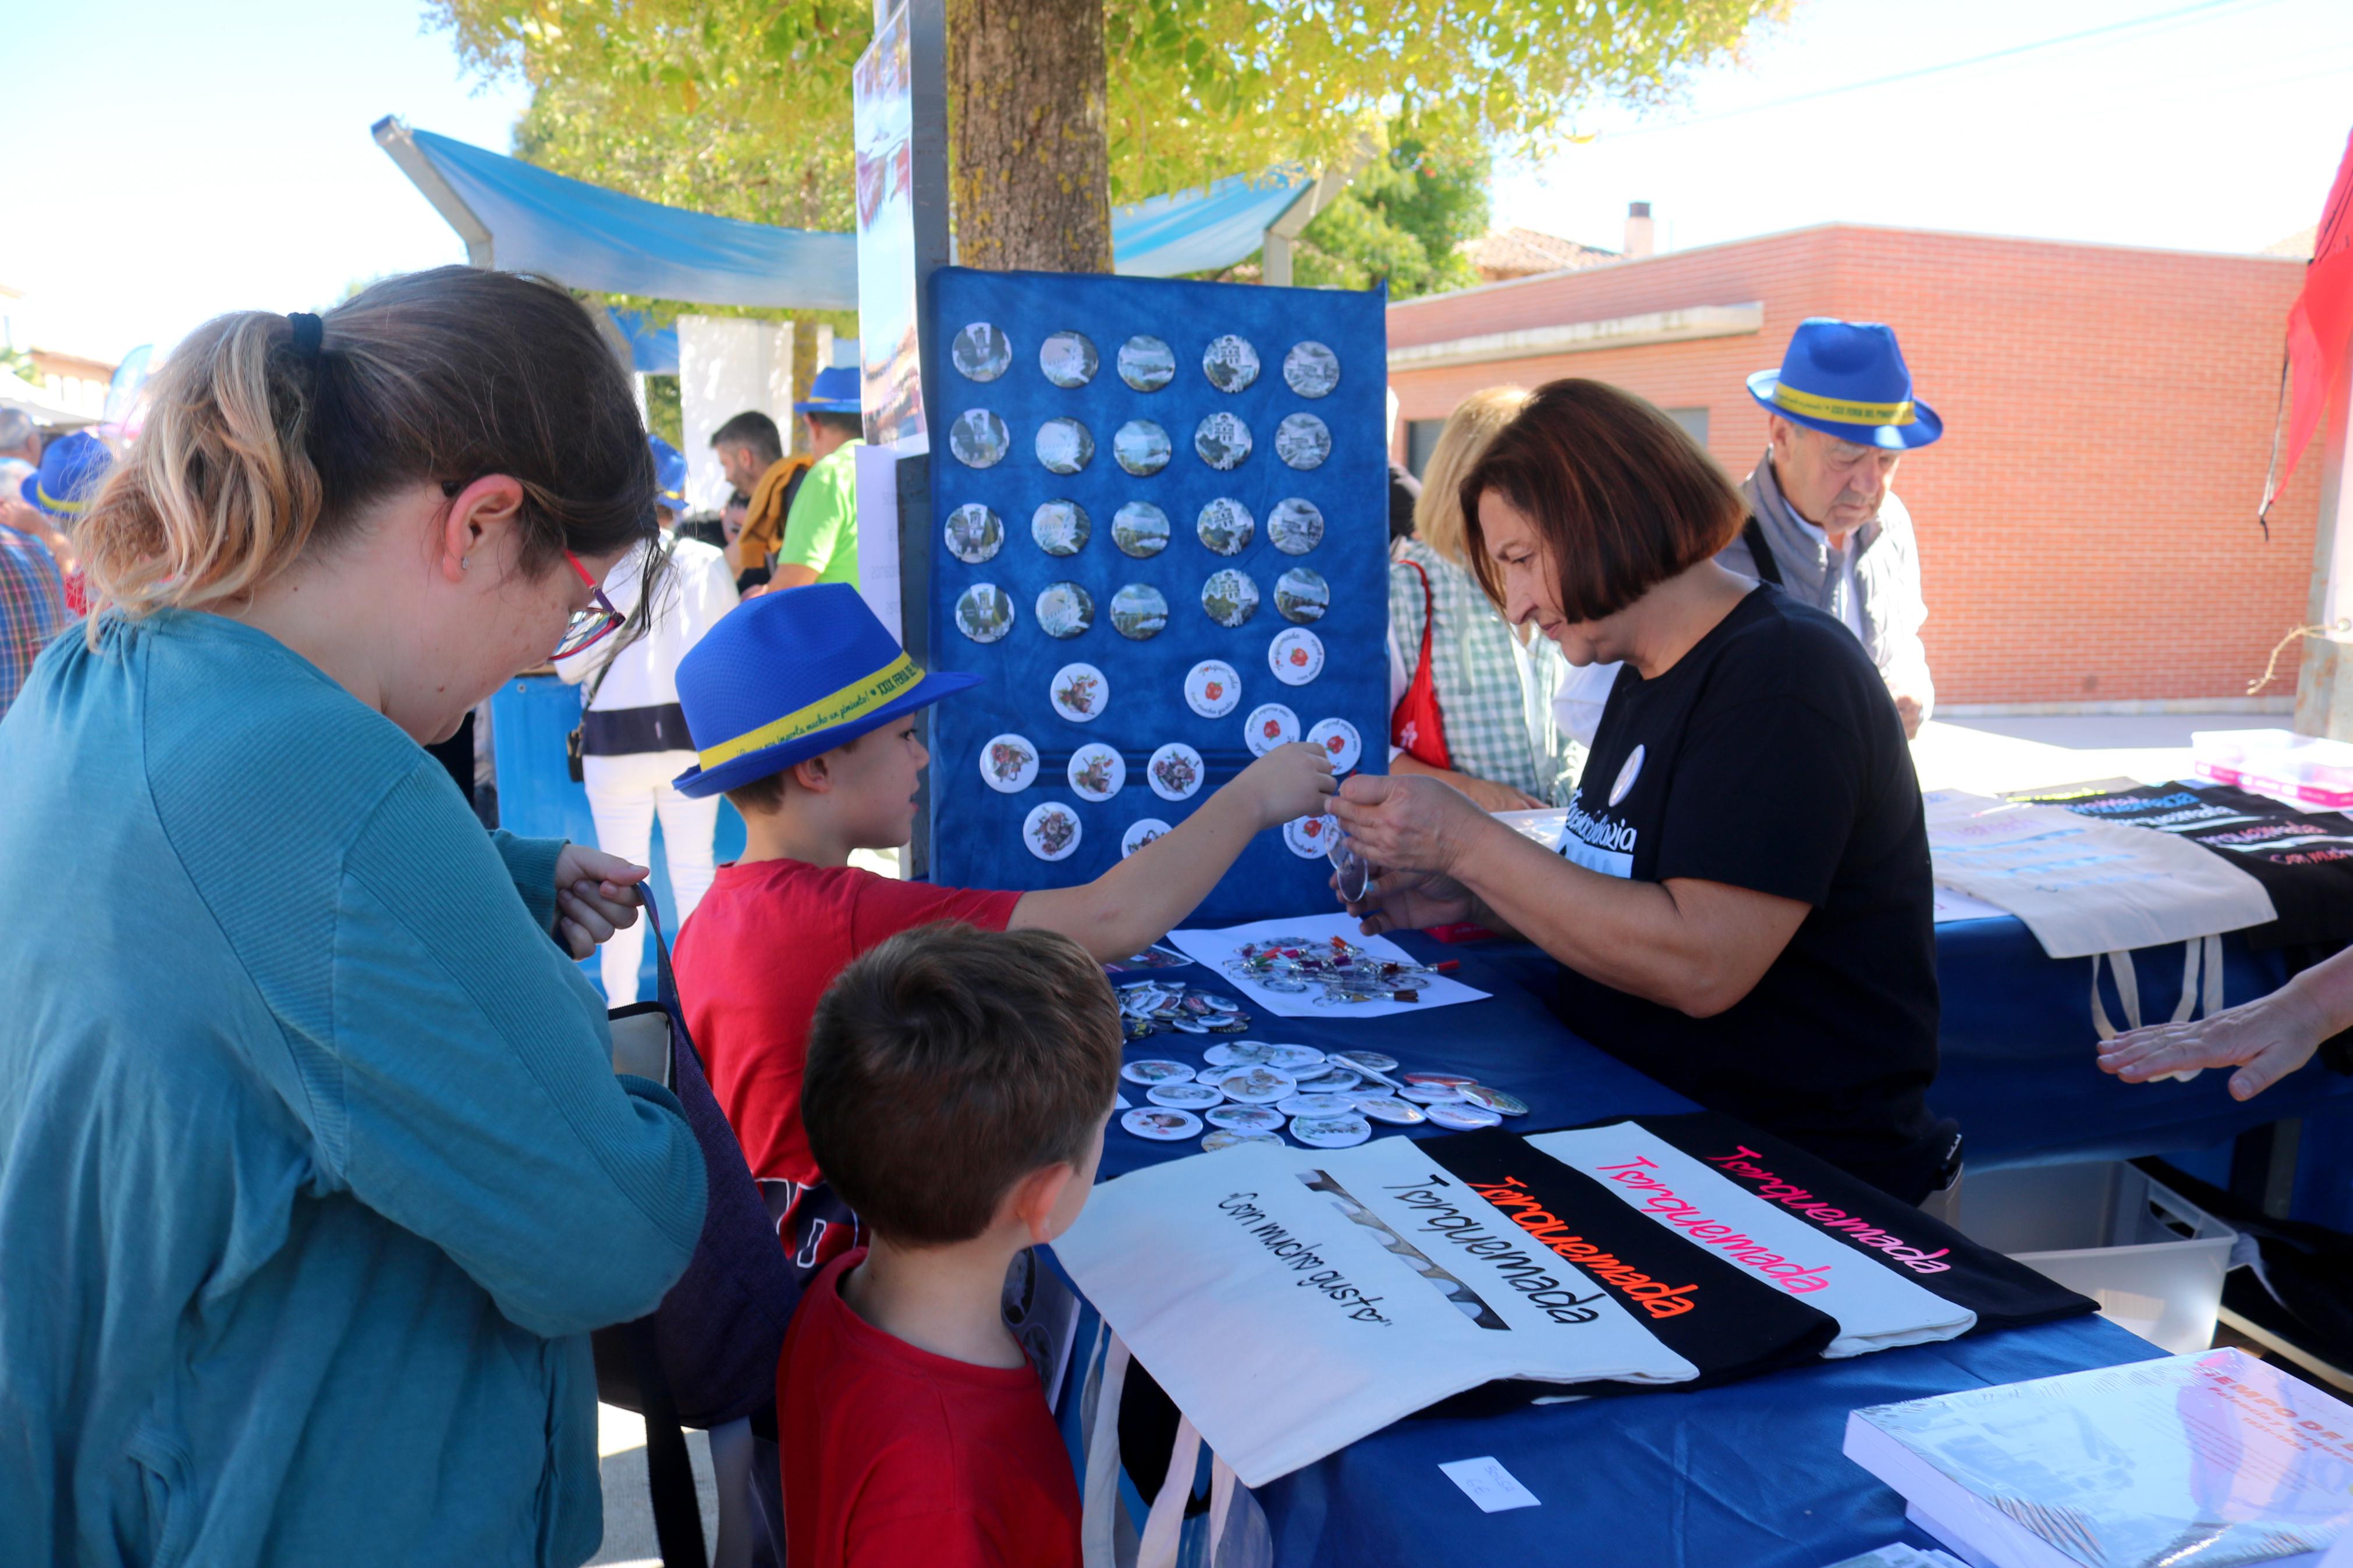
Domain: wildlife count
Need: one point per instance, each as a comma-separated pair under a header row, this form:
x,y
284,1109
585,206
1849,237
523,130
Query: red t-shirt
x,y
895,1457
763,945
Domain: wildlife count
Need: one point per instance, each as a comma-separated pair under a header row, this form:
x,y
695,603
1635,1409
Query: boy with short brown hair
x,y
957,1087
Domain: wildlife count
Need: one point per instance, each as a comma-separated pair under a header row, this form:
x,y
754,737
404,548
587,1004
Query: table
x,y
1748,1474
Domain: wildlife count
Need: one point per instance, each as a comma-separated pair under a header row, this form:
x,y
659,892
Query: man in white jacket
x,y
633,732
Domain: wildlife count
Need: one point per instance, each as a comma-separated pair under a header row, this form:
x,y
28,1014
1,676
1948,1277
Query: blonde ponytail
x,y
218,494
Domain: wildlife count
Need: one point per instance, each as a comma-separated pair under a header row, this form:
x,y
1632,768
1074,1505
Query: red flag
x,y
2320,323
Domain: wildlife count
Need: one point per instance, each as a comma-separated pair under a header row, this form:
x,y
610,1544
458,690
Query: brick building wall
x,y
2086,525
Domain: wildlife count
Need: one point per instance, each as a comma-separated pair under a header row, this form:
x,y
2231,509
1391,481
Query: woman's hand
x,y
2265,1039
595,895
1408,824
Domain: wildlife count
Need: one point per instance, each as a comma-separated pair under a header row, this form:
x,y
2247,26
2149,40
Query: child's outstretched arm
x,y
1134,903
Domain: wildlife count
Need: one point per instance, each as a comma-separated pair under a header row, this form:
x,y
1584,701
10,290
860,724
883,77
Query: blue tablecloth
x,y
1747,1475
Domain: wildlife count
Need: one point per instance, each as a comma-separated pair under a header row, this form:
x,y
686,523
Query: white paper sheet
x,y
1213,948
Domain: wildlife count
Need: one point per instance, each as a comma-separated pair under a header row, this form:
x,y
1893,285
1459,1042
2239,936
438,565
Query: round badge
x,y
1068,359
1499,1101
978,438
1008,763
1149,1073
1161,1124
1340,742
1230,598
975,533
1311,370
1140,529
1060,527
1141,447
1050,830
1078,693
1449,1079
1143,832
1627,775
1065,447
1295,526
1175,772
1065,609
1331,1131
1302,441
1429,1093
1212,688
1389,1108
1224,1140
984,612
1239,1054
1296,655
1462,1118
1097,773
1229,363
1246,1117
1183,1096
1222,441
1292,1060
1329,1080
1305,1104
1257,1084
1147,364
981,352
1371,1061
1270,725
1301,595
1138,612
1309,837
1226,526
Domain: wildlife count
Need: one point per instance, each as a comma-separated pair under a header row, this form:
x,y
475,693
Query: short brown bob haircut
x,y
946,1064
1622,499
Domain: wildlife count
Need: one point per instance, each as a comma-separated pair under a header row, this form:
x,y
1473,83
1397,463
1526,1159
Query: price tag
x,y
1486,1482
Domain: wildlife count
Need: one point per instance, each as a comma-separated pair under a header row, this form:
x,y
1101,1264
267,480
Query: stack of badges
x,y
1249,1091
1153,1006
1343,972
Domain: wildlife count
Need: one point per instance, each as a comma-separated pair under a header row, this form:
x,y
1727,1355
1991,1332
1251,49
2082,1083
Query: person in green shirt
x,y
315,1170
820,540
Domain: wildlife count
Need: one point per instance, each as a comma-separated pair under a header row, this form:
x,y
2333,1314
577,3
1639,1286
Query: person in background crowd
x,y
50,500
633,735
1822,524
820,538
751,452
1405,491
20,449
1479,715
32,609
309,1207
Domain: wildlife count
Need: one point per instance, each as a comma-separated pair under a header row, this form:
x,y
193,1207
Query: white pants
x,y
624,793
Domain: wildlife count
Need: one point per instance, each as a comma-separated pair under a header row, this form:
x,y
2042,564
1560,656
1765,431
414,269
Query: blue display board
x,y
1027,418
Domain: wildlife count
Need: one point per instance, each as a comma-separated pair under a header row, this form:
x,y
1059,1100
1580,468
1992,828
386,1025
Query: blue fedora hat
x,y
669,474
790,674
1847,379
835,391
72,468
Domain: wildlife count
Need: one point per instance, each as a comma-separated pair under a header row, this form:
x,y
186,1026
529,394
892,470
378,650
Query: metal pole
x,y
393,137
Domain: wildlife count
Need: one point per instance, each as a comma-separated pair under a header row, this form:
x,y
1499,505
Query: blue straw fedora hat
x,y
72,468
1849,379
835,390
669,474
790,674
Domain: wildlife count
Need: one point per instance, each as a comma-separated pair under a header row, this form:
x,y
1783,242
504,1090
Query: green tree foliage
x,y
1400,221
742,107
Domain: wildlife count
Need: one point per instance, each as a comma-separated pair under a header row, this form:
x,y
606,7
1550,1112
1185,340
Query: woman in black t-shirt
x,y
1741,904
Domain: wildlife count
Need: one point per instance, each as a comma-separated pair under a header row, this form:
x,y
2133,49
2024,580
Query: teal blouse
x,y
314,1170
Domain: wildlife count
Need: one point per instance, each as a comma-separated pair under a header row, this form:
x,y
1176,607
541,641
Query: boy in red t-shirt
x,y
958,1083
803,709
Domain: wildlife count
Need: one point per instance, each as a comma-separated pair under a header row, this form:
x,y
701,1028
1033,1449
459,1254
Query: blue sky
x,y
218,156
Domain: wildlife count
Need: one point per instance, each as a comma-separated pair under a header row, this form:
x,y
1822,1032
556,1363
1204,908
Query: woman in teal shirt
x,y
313,1171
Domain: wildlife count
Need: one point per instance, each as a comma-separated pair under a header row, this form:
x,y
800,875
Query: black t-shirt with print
x,y
1770,757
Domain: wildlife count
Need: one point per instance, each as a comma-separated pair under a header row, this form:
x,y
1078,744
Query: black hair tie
x,y
308,332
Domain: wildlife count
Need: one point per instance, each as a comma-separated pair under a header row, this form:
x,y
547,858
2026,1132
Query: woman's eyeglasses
x,y
589,626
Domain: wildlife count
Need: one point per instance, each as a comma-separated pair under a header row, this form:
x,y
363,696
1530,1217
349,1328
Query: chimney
x,y
1638,228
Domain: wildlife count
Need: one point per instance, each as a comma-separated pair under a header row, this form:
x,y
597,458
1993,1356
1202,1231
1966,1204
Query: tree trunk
x,y
1030,171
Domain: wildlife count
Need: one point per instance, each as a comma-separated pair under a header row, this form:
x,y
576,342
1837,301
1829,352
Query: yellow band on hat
x,y
1838,411
54,503
852,701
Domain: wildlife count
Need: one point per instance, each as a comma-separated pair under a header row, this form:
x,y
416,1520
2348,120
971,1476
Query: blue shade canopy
x,y
516,215
653,351
1200,231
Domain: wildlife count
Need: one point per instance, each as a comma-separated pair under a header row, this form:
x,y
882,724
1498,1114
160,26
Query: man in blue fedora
x,y
1823,523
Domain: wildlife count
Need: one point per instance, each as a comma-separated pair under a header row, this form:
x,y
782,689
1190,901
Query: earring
x,y
465,563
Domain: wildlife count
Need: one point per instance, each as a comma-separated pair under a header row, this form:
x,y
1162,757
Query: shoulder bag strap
x,y
1420,725
1752,534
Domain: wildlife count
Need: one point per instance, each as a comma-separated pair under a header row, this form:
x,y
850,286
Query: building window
x,y
1694,421
1421,440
